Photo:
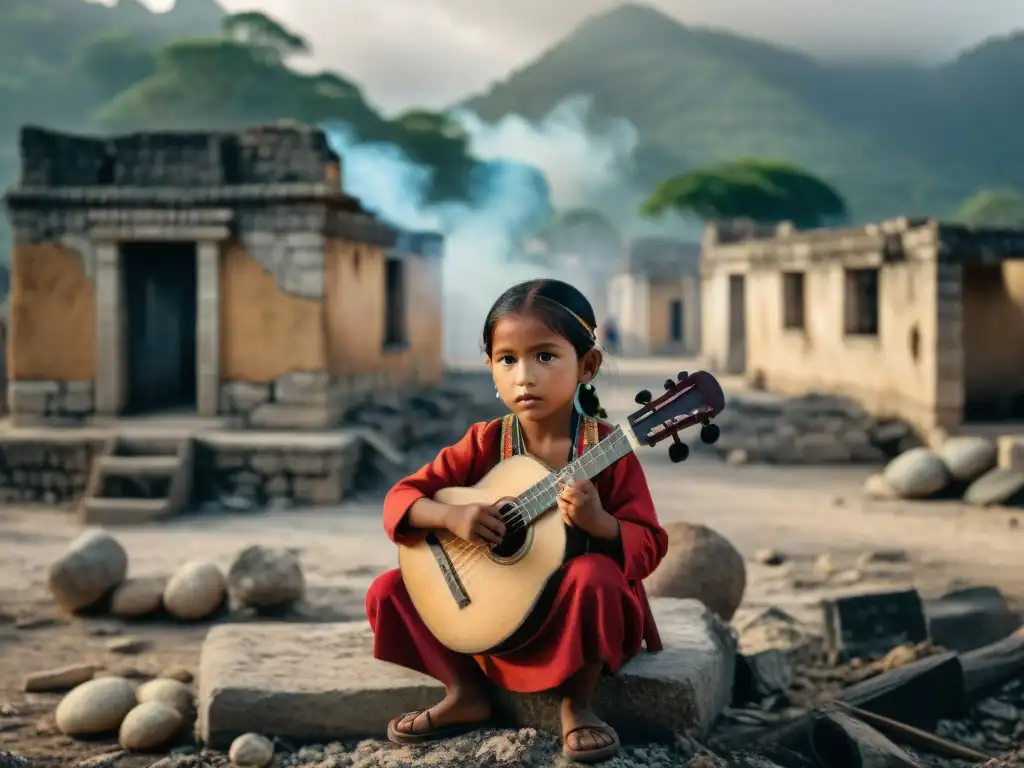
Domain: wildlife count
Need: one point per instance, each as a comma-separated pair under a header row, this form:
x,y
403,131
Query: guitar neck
x,y
542,496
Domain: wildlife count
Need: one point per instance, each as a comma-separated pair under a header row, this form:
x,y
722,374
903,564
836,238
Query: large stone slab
x,y
319,682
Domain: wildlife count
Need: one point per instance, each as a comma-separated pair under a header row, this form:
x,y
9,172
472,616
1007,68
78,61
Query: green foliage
x,y
993,208
756,189
115,62
897,140
259,31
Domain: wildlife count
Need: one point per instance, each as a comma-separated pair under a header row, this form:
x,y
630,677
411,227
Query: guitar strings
x,y
464,555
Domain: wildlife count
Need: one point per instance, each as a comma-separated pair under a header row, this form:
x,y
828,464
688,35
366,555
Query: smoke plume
x,y
484,234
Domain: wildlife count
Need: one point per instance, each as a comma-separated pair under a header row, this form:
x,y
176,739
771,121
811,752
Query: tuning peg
x,y
682,375
669,384
710,433
678,452
643,397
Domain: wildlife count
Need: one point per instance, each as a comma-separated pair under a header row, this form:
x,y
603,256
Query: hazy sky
x,y
432,52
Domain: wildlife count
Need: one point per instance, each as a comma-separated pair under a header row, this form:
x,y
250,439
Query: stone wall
x,y
50,402
252,470
46,467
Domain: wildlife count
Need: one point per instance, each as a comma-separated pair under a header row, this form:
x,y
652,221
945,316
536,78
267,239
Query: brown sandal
x,y
430,734
591,755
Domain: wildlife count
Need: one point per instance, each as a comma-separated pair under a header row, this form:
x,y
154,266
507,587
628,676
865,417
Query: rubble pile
x,y
813,429
961,468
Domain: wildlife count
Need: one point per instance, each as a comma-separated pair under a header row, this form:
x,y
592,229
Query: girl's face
x,y
535,370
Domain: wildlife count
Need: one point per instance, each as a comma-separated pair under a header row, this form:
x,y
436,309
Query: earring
x,y
497,395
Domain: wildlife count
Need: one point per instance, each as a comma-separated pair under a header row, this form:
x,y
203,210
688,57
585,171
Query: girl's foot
x,y
586,738
455,715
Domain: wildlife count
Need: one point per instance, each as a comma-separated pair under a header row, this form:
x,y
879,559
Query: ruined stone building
x,y
654,297
218,274
912,318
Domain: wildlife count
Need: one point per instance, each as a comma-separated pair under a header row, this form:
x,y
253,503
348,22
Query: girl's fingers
x,y
486,535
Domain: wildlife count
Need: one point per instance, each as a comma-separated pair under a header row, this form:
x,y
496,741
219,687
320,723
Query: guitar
x,y
474,597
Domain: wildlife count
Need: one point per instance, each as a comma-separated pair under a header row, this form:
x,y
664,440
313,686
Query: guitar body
x,y
504,584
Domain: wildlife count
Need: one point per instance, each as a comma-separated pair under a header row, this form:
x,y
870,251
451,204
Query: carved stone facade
x,y
912,318
270,195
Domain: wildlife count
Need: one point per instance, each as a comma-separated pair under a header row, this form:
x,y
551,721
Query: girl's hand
x,y
581,508
476,523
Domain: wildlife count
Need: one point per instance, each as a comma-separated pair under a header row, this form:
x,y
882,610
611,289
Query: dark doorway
x,y
675,321
736,362
160,315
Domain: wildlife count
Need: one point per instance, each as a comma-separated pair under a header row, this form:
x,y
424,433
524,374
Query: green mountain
x,y
896,140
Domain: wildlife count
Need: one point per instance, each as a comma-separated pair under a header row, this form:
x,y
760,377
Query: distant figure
x,y
611,335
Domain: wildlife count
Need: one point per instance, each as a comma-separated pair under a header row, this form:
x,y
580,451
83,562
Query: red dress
x,y
599,612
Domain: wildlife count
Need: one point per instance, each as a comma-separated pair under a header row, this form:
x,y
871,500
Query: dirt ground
x,y
804,512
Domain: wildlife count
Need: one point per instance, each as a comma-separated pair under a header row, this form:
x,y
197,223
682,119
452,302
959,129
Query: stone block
x,y
302,388
319,682
31,397
318,490
1011,452
304,282
284,416
242,396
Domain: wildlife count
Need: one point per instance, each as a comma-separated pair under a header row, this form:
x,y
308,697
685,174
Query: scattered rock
x,y
866,626
968,458
997,487
103,630
965,619
128,645
138,597
824,565
877,487
769,557
180,674
917,474
11,760
250,750
737,457
195,591
59,679
173,693
95,707
882,557
94,564
266,577
148,726
702,565
35,622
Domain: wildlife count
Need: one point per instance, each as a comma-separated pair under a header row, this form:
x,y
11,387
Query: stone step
x,y
101,511
137,479
320,682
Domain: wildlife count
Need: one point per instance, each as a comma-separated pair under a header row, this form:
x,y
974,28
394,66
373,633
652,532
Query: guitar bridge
x,y
451,578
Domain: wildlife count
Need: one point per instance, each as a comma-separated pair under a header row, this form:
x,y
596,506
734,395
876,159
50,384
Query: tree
x,y
261,32
230,83
757,189
993,208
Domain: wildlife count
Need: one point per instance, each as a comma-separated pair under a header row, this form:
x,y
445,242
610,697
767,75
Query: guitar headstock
x,y
693,398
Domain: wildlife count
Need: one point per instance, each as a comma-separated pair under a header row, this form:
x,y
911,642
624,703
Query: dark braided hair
x,y
564,310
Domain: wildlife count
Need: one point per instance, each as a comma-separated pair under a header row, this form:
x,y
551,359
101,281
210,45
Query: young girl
x,y
540,345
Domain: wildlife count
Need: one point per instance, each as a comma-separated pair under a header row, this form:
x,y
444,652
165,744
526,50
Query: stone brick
x,y
242,396
31,397
283,416
302,388
304,282
318,490
319,682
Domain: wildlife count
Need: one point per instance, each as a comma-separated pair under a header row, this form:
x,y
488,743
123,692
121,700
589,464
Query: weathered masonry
x,y
912,318
209,273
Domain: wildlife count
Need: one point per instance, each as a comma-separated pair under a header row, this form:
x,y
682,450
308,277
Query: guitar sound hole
x,y
516,536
